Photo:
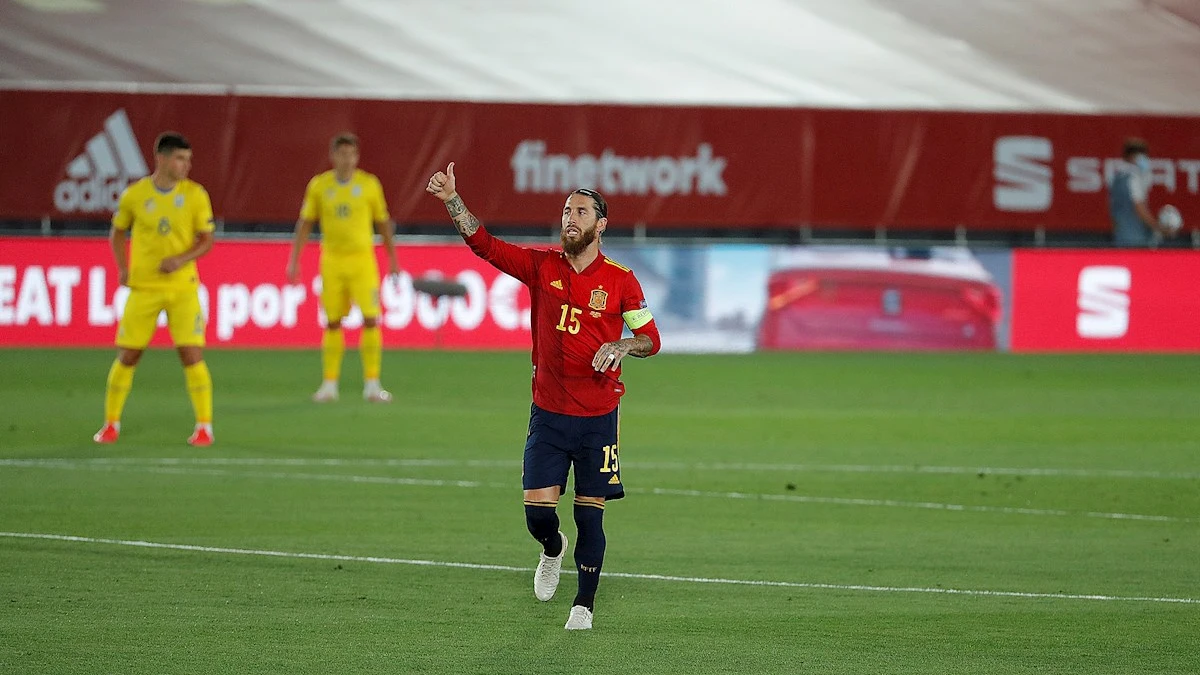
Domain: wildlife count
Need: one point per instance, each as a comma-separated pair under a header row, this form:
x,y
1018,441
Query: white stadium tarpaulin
x,y
1084,56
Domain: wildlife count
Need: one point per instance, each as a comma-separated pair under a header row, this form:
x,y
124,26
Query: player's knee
x,y
190,356
129,357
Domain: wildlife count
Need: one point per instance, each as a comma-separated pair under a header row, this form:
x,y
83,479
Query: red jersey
x,y
572,314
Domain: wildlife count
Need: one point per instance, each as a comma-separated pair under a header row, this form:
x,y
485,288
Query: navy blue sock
x,y
542,520
589,550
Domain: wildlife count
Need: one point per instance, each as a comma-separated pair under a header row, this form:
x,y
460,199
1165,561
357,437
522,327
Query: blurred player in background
x,y
1133,222
349,204
170,220
581,302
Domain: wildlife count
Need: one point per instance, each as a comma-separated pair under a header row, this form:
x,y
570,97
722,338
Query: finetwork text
x,y
536,171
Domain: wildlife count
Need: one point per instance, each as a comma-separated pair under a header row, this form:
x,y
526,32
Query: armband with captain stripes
x,y
636,318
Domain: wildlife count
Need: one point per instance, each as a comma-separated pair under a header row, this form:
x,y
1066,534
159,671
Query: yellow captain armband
x,y
636,318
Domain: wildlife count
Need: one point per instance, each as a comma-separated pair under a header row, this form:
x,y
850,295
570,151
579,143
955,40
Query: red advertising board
x,y
63,292
660,166
1106,301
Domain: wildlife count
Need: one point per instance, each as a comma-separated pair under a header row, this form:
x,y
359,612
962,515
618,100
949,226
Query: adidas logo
x,y
96,178
557,284
614,480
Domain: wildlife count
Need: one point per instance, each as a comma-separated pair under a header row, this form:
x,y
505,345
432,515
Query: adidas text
x,y
89,196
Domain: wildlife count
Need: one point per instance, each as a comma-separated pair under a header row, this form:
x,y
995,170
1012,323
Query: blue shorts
x,y
557,442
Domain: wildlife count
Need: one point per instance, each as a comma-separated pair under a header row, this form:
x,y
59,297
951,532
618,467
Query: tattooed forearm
x,y
468,225
639,345
464,220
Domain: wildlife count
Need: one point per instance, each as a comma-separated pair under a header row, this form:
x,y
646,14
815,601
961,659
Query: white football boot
x,y
326,393
375,393
580,619
545,579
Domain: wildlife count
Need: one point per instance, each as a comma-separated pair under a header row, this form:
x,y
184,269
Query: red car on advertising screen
x,y
840,298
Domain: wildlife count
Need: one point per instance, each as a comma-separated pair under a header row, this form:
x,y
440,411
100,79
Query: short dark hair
x,y
1134,146
170,141
601,205
344,138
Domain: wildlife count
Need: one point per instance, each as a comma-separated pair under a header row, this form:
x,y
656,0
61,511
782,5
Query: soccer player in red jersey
x,y
581,301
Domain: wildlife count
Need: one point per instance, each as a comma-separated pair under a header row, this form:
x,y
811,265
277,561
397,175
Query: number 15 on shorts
x,y
611,463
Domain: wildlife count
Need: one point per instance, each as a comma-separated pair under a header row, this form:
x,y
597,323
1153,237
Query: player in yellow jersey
x,y
350,206
170,220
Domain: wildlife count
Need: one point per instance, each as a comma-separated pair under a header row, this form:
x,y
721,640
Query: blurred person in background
x,y
349,204
170,220
581,302
1134,225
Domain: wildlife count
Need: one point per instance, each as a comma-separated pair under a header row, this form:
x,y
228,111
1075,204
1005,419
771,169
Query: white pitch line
x,y
335,477
671,466
621,575
175,468
920,469
935,506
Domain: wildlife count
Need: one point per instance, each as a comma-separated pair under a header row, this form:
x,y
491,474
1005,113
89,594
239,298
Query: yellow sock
x,y
371,347
120,381
333,345
199,386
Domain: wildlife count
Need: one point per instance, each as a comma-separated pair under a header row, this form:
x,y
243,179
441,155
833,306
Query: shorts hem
x,y
610,497
562,488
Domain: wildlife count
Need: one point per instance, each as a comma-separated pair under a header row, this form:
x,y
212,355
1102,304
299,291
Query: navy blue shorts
x,y
557,442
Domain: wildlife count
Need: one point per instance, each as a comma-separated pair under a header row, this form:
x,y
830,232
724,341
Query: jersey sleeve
x,y
310,210
516,261
636,313
1137,187
379,209
202,215
123,217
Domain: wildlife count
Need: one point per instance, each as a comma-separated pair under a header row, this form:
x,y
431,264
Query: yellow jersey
x,y
346,211
162,224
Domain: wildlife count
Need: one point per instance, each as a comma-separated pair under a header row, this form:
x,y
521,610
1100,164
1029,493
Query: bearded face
x,y
580,225
575,240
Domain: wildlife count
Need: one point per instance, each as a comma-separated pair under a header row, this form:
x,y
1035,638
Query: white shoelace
x,y
580,616
547,571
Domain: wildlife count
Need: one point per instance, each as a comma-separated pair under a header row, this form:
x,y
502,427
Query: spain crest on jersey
x,y
599,299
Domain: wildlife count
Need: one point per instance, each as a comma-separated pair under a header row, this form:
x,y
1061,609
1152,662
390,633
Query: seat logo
x,y
1103,302
1023,174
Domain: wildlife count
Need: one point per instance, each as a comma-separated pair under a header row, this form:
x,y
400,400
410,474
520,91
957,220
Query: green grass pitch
x,y
904,513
